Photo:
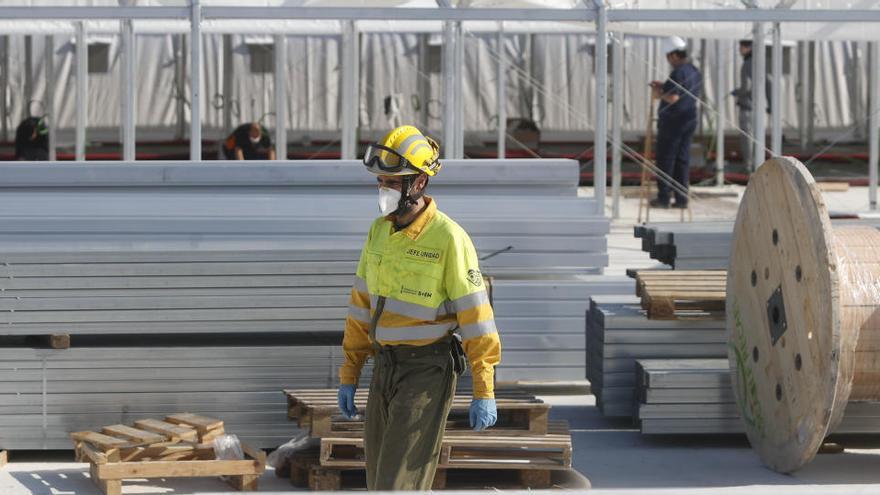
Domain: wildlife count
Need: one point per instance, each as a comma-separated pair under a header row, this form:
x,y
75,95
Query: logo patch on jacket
x,y
475,277
424,254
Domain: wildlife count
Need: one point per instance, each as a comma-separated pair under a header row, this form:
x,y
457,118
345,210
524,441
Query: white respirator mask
x,y
254,140
389,200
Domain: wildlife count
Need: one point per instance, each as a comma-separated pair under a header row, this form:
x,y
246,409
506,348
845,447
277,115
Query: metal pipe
x,y
501,91
424,82
28,73
776,98
128,96
195,46
617,82
874,132
82,60
228,83
601,131
721,109
449,91
4,88
759,99
350,89
811,93
803,81
280,97
459,91
49,56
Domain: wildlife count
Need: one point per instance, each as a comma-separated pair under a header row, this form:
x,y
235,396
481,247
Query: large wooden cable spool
x,y
803,315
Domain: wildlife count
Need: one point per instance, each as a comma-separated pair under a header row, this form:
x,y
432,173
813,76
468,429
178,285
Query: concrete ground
x,y
615,457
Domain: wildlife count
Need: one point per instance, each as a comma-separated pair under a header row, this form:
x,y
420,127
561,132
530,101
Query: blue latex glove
x,y
346,401
483,414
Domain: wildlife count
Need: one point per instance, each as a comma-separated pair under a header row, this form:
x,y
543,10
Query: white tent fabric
x,y
550,80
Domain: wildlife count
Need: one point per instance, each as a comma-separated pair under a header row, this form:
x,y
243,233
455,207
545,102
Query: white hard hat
x,y
673,43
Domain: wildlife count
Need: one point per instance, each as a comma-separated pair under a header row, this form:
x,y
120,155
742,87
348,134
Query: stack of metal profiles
x,y
694,396
619,334
700,245
139,261
687,246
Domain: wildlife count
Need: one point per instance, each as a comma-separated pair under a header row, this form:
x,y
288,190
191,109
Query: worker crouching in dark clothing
x,y
248,142
677,121
32,140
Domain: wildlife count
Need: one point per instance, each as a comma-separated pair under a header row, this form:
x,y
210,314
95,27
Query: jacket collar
x,y
415,229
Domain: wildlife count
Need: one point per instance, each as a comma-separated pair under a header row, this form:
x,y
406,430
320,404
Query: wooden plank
x,y
140,436
4,458
177,469
172,431
166,452
203,424
87,452
99,440
833,186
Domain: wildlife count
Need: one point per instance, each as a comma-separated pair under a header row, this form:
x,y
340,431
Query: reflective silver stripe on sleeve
x,y
413,333
477,329
470,301
360,285
359,314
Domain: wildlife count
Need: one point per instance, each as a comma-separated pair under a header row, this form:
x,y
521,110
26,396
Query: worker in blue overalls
x,y
676,121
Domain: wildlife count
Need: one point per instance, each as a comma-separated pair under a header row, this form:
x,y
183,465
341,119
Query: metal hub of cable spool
x,y
803,315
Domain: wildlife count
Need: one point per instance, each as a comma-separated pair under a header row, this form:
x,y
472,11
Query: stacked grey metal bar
x,y
137,261
687,246
619,334
542,323
45,394
700,245
694,396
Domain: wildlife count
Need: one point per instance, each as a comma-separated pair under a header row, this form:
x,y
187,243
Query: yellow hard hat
x,y
403,151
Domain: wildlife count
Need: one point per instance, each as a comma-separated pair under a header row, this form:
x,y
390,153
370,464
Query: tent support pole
x,y
128,97
759,95
776,98
874,132
280,97
195,65
617,82
82,60
49,56
601,134
501,91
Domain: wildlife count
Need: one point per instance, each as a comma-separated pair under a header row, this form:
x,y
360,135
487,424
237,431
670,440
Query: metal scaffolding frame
x,y
453,128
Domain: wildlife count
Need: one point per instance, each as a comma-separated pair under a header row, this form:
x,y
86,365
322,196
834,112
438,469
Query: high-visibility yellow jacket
x,y
429,274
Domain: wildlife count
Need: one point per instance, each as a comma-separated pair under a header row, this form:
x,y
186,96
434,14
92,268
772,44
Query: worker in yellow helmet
x,y
418,290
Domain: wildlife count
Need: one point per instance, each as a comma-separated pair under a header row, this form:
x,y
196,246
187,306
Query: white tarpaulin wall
x,y
808,31
549,79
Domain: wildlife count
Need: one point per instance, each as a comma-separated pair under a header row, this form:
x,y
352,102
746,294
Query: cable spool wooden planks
x,y
803,315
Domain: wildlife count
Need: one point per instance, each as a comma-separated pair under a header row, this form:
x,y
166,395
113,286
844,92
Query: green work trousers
x,y
411,393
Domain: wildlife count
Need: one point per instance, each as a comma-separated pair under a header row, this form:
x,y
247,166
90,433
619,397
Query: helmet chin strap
x,y
408,200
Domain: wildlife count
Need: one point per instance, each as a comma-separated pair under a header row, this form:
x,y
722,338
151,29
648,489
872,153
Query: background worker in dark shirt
x,y
32,140
248,142
676,120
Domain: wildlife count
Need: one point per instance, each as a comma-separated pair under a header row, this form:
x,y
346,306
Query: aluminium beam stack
x,y
700,245
141,260
619,333
47,393
694,396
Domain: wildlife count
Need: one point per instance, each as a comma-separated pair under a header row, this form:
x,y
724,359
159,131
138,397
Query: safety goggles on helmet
x,y
383,160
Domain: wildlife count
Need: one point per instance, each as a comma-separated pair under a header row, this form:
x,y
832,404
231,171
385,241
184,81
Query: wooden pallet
x,y
306,472
179,446
318,410
674,294
551,451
